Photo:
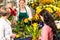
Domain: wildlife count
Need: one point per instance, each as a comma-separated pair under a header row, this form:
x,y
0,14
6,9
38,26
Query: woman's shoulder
x,y
46,27
2,21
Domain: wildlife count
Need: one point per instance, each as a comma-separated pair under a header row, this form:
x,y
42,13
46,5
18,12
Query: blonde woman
x,y
5,26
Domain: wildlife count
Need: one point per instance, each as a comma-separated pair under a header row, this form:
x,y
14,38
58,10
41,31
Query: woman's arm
x,y
8,32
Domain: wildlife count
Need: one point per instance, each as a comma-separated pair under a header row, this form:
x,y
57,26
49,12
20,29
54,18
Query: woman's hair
x,y
4,12
48,20
1,6
21,0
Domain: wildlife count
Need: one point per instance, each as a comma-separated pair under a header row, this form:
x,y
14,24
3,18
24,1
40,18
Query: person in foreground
x,y
49,28
5,26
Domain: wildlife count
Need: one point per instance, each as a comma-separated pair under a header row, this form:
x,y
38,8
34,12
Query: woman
x,y
5,26
24,11
49,28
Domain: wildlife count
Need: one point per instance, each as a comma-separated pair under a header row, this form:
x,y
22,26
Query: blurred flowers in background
x,y
47,1
38,9
51,8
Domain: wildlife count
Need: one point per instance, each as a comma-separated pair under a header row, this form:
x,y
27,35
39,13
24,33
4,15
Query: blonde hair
x,y
4,11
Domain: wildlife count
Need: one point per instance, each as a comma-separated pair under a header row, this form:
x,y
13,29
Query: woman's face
x,y
22,3
8,15
42,18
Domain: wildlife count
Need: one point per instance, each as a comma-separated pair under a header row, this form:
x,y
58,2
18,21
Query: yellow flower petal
x,y
26,20
35,25
49,9
17,36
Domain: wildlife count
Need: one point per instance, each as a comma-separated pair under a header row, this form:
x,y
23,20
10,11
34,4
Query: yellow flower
x,y
17,36
35,25
38,10
58,9
51,5
47,1
32,4
50,10
52,1
44,6
36,17
58,3
26,20
55,8
38,7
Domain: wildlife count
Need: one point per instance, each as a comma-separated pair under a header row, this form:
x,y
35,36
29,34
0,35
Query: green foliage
x,y
58,3
20,30
34,33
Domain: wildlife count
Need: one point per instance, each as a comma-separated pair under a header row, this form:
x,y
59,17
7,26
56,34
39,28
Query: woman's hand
x,y
39,38
13,35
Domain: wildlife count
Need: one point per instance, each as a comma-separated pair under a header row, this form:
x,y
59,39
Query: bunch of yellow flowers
x,y
35,25
35,17
26,20
46,1
38,9
50,10
56,8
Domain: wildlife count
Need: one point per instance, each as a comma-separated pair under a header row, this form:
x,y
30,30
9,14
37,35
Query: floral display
x,y
51,8
32,27
28,28
47,1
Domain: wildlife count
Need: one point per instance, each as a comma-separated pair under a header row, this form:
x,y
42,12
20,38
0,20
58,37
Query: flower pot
x,y
23,38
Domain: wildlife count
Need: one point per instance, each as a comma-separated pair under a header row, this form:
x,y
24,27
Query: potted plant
x,y
33,31
20,31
